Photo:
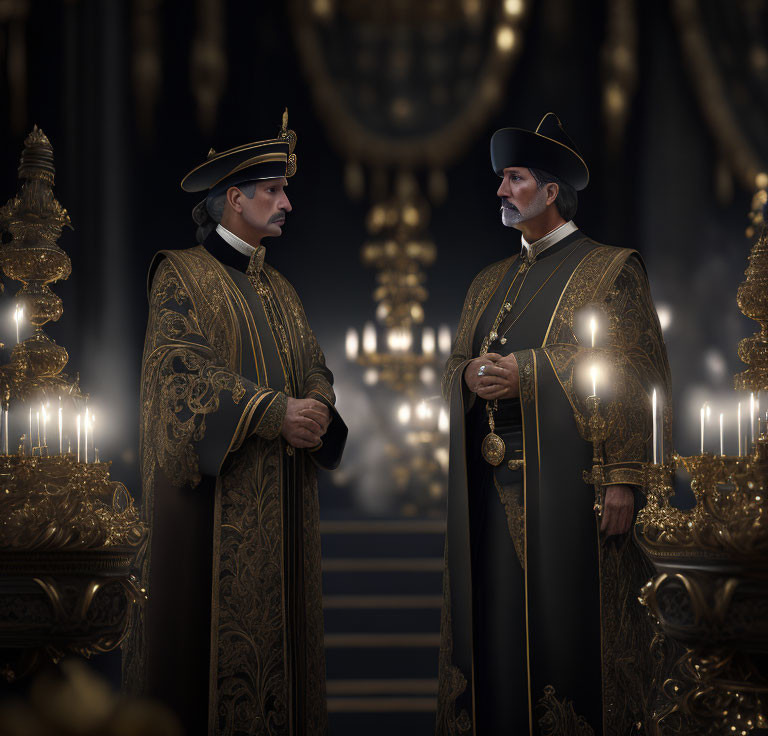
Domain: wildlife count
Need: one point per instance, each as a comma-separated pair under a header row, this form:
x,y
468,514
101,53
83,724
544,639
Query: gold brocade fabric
x,y
193,355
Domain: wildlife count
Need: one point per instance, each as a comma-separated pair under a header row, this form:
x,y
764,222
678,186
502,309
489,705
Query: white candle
x,y
593,371
703,411
17,317
655,440
752,418
428,341
593,329
721,434
37,413
45,425
85,433
7,409
93,435
30,430
78,438
352,344
738,431
61,433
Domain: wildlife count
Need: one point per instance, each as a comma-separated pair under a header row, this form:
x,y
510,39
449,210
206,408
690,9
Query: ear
x,y
233,199
552,192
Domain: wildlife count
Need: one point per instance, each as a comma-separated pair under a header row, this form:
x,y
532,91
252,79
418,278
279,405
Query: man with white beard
x,y
540,625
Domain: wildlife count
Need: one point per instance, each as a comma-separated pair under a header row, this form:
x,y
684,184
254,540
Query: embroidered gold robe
x,y
232,636
568,635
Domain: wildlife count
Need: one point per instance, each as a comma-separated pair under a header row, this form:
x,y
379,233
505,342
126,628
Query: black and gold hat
x,y
547,148
270,159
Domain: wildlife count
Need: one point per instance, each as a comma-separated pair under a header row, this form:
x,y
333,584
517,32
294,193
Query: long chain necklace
x,y
493,448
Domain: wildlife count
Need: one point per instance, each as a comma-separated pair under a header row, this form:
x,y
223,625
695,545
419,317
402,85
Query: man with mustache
x,y
237,414
541,625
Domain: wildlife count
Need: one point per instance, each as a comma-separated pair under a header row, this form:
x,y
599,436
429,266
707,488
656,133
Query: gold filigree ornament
x,y
493,447
288,135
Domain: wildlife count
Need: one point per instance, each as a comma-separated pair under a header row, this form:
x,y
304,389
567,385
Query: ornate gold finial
x,y
34,216
37,158
288,135
211,153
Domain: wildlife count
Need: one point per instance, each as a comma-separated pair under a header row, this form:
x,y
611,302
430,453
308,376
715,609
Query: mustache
x,y
278,216
506,205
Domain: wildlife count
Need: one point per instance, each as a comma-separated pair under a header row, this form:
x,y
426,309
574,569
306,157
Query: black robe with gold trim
x,y
540,611
232,636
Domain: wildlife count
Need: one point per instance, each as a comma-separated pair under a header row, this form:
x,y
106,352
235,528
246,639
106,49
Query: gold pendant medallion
x,y
493,448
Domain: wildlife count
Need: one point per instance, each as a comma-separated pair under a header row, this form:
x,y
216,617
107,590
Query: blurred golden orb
x,y
761,180
514,7
505,38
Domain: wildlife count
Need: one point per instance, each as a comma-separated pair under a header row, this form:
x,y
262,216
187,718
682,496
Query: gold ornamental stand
x,y
69,535
710,592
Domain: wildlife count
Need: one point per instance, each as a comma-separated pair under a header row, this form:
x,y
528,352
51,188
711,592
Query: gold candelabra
x,y
69,535
710,592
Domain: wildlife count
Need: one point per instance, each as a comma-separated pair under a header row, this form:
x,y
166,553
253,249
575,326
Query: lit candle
x,y
17,317
37,413
655,440
444,339
30,430
85,435
428,341
703,413
721,434
93,435
7,409
752,418
45,425
352,344
78,438
738,431
593,371
593,329
61,433
369,338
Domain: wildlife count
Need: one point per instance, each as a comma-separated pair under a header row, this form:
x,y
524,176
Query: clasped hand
x,y
492,376
306,421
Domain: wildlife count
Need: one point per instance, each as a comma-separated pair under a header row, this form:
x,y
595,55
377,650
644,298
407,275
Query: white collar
x,y
237,243
553,236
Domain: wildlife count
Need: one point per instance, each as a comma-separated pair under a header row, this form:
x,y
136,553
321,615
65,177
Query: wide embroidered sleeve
x,y
632,352
639,365
195,410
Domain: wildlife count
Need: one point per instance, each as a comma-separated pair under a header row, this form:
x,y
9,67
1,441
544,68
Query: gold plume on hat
x,y
287,135
290,136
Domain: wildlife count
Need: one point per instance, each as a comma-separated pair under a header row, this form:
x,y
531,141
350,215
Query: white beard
x,y
510,217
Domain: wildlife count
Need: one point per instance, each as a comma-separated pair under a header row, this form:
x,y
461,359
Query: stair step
x,y
385,620
389,686
382,601
383,526
383,564
382,705
382,545
365,641
384,582
380,662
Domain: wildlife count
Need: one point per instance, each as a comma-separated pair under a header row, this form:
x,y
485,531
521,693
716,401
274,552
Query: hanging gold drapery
x,y
208,62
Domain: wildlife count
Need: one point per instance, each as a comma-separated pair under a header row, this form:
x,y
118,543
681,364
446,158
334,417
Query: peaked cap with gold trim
x,y
547,148
269,159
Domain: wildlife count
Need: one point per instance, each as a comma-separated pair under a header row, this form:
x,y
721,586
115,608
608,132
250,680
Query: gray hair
x,y
215,204
567,200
